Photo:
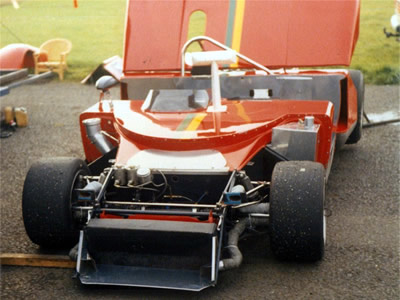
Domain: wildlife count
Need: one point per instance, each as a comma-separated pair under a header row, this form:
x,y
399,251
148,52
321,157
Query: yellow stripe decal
x,y
196,121
194,124
185,122
238,26
242,113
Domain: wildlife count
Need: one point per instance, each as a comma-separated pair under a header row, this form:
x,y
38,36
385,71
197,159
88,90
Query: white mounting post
x,y
215,90
212,58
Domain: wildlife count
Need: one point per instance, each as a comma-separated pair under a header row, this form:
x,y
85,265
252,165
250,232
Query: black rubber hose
x,y
236,256
261,208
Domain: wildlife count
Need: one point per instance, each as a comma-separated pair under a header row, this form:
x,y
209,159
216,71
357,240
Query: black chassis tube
x,y
221,236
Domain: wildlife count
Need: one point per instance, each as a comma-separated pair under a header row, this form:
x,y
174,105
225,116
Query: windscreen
x,y
176,100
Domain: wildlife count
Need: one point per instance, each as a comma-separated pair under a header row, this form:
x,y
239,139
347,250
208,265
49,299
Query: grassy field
x,y
377,56
96,31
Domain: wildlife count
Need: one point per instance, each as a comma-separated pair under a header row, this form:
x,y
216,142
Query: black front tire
x,y
297,221
47,198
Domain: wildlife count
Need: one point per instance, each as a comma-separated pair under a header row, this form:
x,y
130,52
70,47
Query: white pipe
x,y
93,132
215,90
206,38
213,257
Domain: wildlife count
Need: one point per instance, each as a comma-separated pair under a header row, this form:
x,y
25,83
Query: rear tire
x,y
47,198
297,222
358,80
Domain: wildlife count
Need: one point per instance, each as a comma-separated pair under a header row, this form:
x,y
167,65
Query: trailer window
x,y
197,26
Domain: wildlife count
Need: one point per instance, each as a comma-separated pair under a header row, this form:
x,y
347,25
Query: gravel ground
x,y
362,254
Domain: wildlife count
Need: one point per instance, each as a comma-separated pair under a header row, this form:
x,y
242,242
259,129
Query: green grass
x,y
96,31
377,56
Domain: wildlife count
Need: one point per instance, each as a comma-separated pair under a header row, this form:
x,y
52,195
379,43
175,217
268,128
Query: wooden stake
x,y
37,260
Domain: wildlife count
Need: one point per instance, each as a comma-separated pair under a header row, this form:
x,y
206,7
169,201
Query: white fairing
x,y
199,160
207,57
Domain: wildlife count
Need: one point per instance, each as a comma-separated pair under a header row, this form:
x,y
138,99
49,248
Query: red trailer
x,y
205,146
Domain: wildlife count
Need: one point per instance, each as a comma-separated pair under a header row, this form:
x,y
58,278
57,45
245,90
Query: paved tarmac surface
x,y
362,254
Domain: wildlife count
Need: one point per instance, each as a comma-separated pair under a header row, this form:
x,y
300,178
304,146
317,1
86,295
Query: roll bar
x,y
206,38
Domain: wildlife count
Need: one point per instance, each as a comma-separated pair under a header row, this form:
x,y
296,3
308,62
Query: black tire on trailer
x,y
297,221
358,80
47,198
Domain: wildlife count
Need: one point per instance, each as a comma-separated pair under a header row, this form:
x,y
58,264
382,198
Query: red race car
x,y
205,146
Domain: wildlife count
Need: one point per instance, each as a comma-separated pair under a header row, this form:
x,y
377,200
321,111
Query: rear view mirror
x,y
106,82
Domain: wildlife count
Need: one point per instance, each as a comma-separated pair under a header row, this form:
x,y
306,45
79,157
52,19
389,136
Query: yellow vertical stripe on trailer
x,y
238,26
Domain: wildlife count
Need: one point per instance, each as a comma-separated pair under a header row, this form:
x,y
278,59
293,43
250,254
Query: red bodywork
x,y
17,56
196,149
288,33
275,33
238,134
